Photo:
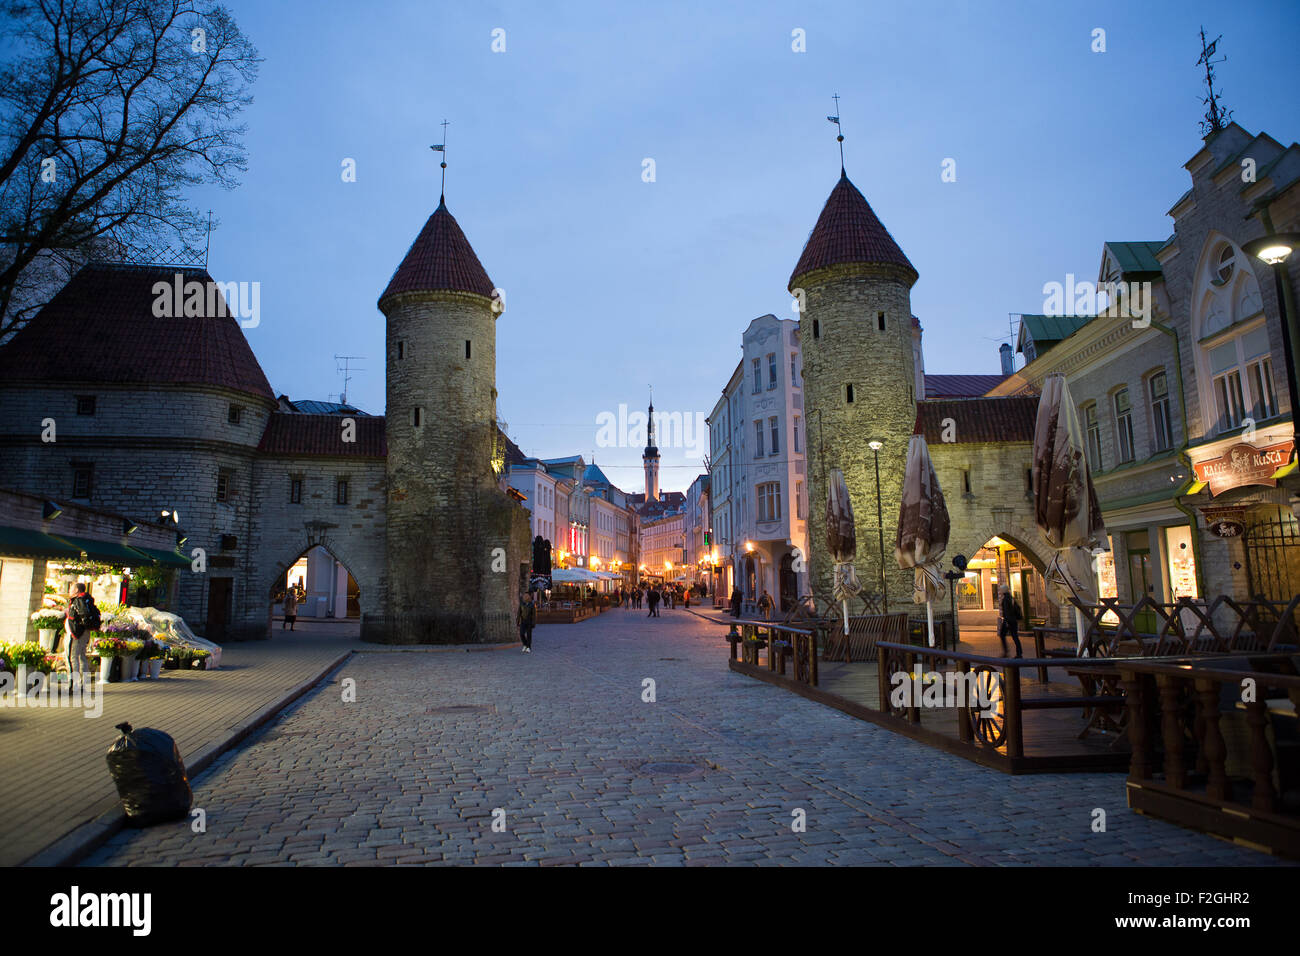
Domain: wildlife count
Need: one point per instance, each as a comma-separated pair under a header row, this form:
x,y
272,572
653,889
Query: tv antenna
x,y
343,366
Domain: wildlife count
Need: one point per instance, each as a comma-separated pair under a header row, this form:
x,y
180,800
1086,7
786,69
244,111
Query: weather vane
x,y
839,130
442,148
1215,115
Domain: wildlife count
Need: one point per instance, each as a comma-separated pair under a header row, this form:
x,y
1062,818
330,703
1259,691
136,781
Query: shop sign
x,y
1227,529
1244,464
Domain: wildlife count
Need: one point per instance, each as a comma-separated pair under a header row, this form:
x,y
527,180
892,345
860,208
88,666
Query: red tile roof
x,y
848,231
100,328
288,433
440,259
975,420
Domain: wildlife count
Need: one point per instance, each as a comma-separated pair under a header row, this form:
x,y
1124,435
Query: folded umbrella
x,y
923,528
841,541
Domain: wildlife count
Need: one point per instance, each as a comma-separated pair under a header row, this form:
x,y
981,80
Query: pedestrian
x,y
736,598
1008,621
290,608
670,594
765,605
688,598
82,617
652,599
526,617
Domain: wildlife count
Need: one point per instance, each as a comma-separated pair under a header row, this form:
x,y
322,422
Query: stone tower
x,y
650,459
455,541
855,332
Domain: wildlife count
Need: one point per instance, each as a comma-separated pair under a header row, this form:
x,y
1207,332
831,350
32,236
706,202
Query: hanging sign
x,y
1244,464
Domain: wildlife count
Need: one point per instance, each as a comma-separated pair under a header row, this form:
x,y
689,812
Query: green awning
x,y
23,542
168,559
108,552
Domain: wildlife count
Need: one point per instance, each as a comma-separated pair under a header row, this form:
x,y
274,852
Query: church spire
x,y
650,457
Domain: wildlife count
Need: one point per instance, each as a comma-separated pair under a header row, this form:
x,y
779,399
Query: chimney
x,y
1008,359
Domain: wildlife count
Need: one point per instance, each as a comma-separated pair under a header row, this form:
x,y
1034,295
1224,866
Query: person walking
x,y
736,598
526,617
81,618
652,599
1008,621
290,608
765,605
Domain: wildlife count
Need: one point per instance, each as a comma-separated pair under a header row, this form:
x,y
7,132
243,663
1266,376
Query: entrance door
x,y
789,583
1139,578
220,600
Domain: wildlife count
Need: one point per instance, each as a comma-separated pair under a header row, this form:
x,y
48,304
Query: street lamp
x,y
875,447
1275,250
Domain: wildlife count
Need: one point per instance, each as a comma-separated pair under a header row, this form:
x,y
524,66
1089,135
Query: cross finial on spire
x,y
839,134
442,148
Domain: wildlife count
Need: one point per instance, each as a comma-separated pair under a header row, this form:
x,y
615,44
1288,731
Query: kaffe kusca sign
x,y
1244,464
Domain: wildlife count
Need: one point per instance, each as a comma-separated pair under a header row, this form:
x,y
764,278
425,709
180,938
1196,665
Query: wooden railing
x,y
1188,626
777,644
1227,745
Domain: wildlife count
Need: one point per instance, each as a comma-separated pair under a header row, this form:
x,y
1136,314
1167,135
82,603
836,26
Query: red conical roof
x,y
440,259
848,231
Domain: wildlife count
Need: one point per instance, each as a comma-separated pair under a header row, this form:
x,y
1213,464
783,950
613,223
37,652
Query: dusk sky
x,y
613,283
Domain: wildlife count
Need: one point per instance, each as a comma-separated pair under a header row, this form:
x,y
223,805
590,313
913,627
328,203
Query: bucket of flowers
x,y
131,649
177,657
47,622
108,648
199,658
151,659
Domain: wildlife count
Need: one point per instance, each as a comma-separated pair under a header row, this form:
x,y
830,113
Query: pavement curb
x,y
74,846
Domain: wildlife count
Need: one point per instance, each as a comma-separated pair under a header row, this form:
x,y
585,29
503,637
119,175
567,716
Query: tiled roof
x,y
101,328
441,258
960,386
848,231
290,433
514,454
974,420
309,406
594,476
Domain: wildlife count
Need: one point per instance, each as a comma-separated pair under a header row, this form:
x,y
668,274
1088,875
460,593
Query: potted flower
x,y
107,649
131,649
177,657
199,657
152,659
47,621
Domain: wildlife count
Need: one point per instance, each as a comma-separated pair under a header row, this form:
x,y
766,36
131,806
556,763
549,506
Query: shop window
x,y
295,491
1182,563
85,404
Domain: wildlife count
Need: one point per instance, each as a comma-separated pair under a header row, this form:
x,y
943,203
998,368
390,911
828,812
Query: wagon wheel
x,y
893,662
988,722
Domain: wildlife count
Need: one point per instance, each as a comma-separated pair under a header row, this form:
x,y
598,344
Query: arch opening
x,y
324,590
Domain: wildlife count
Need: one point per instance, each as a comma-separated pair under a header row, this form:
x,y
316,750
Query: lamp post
x,y
875,447
1276,250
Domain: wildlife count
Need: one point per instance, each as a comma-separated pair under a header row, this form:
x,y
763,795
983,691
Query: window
x,y
401,349
467,348
796,435
223,485
965,481
417,416
1029,481
1124,425
880,321
794,369
758,377
758,439
1161,425
83,475
85,404
1224,272
800,510
295,491
1242,369
234,414
769,501
774,427
817,329
1093,427
771,370
341,492
848,393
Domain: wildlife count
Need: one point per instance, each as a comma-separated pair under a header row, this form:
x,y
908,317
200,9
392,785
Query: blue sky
x,y
613,283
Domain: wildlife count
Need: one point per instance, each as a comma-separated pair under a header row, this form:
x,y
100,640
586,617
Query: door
x,y
789,583
220,600
1139,579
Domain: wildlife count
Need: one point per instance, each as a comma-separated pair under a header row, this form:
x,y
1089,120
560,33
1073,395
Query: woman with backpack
x,y
82,618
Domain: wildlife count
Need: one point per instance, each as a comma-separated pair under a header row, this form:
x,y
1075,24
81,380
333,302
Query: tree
x,y
109,111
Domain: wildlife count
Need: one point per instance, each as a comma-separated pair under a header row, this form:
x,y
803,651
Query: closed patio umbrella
x,y
841,541
1065,502
923,527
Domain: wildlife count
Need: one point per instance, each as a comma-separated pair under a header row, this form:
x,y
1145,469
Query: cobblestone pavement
x,y
580,769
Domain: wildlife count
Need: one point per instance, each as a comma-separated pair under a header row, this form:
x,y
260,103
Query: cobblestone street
x,y
582,770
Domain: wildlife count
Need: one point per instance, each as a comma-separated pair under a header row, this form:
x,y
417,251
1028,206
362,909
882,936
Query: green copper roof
x,y
1136,256
1052,328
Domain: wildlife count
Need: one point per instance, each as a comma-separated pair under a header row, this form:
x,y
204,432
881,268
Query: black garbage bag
x,y
150,776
